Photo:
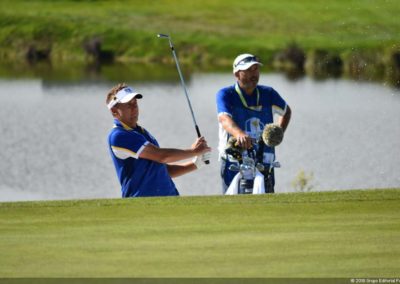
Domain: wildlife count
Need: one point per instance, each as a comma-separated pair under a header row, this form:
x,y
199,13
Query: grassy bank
x,y
332,234
205,32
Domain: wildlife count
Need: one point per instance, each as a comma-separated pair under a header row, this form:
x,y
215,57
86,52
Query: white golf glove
x,y
200,161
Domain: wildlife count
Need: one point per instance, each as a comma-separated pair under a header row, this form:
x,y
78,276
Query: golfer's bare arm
x,y
284,120
181,169
166,155
171,155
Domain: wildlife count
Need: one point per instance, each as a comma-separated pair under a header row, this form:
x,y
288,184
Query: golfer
x,y
243,111
143,168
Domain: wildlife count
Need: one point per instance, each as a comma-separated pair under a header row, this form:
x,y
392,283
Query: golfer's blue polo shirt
x,y
137,176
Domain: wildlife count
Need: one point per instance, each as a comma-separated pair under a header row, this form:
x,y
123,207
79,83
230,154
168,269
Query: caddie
x,y
244,109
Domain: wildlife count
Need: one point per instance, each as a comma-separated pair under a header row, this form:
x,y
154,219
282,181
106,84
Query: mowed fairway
x,y
332,234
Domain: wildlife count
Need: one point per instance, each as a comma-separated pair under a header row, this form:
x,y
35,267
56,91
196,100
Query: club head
x,y
163,36
260,167
276,164
234,168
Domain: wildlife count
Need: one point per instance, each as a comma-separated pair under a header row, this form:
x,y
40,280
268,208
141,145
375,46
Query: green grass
x,y
331,234
209,31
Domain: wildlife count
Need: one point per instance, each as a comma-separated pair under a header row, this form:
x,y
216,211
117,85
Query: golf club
x,y
183,83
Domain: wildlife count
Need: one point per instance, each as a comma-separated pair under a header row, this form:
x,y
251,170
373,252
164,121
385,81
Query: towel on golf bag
x,y
258,186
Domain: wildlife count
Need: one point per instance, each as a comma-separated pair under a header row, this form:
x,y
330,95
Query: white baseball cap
x,y
245,61
123,96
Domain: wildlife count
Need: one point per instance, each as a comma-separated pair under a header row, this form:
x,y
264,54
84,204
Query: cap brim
x,y
246,66
129,97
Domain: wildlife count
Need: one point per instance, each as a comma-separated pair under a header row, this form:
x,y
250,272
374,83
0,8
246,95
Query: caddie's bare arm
x,y
284,120
233,129
171,155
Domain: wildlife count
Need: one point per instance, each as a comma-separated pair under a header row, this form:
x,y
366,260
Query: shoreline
x,y
357,38
293,62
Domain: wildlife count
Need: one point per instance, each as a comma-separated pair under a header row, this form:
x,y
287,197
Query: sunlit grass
x,y
331,234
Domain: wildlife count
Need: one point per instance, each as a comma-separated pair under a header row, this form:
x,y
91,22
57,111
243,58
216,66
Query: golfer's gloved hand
x,y
200,161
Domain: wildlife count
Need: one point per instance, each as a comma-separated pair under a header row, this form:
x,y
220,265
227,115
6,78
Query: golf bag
x,y
246,162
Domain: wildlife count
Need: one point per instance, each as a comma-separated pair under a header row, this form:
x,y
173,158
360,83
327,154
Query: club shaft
x,y
184,87
183,84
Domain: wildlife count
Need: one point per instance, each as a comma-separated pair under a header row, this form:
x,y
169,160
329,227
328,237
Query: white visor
x,y
123,96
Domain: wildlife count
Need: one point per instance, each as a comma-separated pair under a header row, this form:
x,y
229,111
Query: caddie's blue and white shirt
x,y
250,113
137,176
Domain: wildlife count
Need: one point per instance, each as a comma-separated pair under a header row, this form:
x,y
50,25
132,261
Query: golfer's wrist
x,y
197,162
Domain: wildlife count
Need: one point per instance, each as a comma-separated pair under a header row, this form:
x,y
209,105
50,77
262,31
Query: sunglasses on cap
x,y
247,60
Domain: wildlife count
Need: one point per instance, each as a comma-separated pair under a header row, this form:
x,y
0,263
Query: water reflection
x,y
54,134
80,72
320,65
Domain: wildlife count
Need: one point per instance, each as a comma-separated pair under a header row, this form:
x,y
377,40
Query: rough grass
x,y
331,234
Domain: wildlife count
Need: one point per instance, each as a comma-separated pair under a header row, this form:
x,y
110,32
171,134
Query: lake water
x,y
54,135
